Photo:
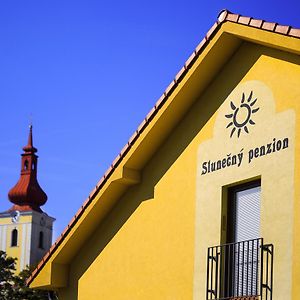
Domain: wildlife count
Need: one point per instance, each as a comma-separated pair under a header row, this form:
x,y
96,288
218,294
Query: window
x,y
244,212
244,235
14,238
41,240
26,165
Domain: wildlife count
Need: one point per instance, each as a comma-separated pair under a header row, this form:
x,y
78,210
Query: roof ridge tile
x,y
256,23
294,32
244,20
270,26
223,15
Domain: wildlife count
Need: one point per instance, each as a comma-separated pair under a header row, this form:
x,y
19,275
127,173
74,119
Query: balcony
x,y
240,271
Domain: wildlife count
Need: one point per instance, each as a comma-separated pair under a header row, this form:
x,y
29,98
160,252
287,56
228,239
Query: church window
x,y
26,165
41,240
14,238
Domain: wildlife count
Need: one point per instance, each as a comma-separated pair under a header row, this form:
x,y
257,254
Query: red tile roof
x,y
224,16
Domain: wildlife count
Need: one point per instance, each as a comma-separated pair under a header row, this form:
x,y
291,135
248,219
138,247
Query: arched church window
x,y
14,238
41,240
26,165
33,166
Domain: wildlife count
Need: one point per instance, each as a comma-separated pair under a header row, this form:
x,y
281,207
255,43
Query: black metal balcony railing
x,y
237,270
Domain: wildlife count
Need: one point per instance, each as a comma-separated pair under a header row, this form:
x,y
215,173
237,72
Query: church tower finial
x,y
27,194
29,147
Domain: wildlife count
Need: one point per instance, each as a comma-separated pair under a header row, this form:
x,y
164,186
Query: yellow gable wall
x,y
151,246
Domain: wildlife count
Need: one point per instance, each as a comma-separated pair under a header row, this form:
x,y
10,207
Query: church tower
x,y
25,230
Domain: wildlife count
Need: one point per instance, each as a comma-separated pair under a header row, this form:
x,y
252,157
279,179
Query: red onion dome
x,y
27,193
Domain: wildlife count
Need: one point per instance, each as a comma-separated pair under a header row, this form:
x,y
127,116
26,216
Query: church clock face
x,y
15,216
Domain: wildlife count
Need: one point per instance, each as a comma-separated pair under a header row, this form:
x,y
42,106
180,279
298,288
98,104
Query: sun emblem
x,y
241,116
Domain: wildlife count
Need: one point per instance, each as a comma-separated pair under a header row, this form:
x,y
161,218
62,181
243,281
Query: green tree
x,y
7,268
13,286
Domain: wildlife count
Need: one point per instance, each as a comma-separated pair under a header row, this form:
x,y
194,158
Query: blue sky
x,y
87,73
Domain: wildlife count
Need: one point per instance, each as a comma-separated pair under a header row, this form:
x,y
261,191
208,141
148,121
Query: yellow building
x,y
25,230
203,201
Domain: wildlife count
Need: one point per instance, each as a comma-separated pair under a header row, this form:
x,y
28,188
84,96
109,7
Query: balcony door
x,y
244,233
